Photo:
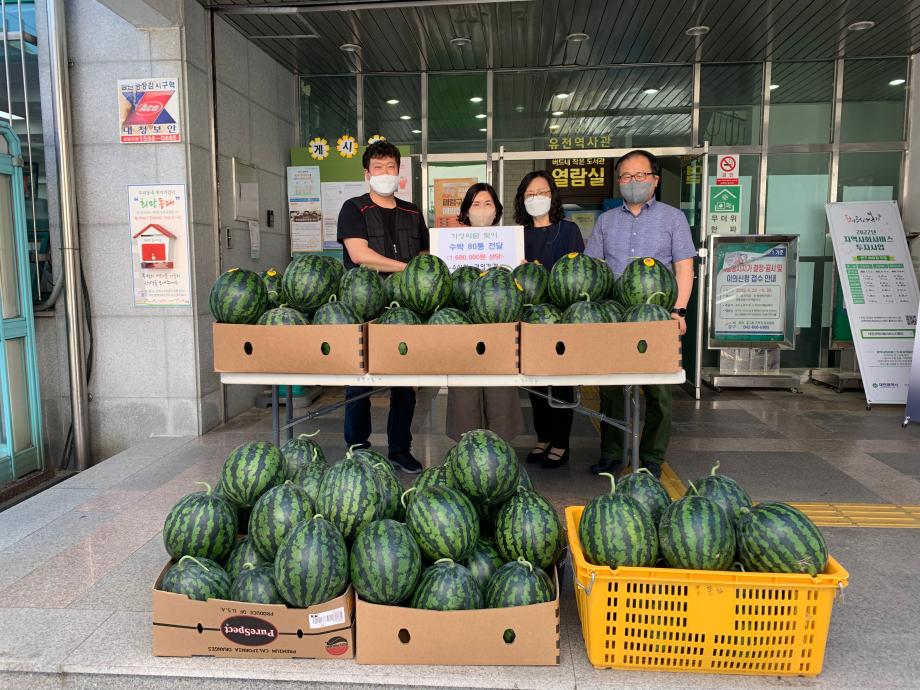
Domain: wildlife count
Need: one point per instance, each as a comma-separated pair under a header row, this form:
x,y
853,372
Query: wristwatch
x,y
679,311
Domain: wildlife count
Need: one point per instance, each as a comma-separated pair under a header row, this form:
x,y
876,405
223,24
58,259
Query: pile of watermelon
x,y
714,526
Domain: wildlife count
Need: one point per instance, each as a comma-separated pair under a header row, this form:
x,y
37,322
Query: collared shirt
x,y
659,231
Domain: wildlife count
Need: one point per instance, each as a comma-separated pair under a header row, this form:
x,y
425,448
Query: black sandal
x,y
537,454
560,459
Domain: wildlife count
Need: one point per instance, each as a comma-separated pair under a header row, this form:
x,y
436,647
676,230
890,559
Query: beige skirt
x,y
497,409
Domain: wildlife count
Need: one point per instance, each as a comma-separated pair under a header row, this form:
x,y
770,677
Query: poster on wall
x,y
334,195
448,195
880,290
148,111
496,245
159,245
305,209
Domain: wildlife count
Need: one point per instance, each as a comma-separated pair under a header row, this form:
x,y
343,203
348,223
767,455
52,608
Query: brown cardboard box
x,y
290,349
600,348
233,629
462,349
402,635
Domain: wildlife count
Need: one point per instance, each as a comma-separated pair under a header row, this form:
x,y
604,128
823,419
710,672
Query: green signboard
x,y
725,199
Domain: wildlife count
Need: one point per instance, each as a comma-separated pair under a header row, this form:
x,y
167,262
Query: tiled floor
x,y
77,561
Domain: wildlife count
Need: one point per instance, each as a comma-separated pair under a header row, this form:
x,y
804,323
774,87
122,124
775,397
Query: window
x,y
457,110
874,100
801,103
393,109
731,100
872,176
328,108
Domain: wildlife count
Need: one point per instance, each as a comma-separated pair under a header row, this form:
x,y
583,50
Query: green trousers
x,y
656,432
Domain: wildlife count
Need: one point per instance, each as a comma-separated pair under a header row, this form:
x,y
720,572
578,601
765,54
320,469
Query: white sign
x,y
148,111
159,245
750,292
727,169
495,245
305,209
880,290
334,195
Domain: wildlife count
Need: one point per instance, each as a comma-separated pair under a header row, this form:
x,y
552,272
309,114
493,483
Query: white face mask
x,y
384,185
482,217
538,206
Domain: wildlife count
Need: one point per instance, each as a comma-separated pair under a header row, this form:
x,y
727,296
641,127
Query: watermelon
x,y
272,280
200,524
572,275
362,290
443,521
483,560
283,316
310,280
432,476
447,586
301,451
370,456
249,471
616,530
392,287
425,284
777,538
448,317
645,487
518,583
312,563
527,526
334,313
309,478
725,491
607,278
256,584
274,516
485,467
397,315
385,562
524,479
350,496
586,311
244,552
646,312
238,296
496,298
534,281
542,313
391,491
696,533
647,281
613,309
197,578
461,284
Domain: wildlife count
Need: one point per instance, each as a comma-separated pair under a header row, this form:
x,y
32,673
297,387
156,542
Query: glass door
x,y
694,181
448,177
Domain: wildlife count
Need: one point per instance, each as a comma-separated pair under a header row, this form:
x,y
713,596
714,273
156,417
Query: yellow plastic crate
x,y
706,621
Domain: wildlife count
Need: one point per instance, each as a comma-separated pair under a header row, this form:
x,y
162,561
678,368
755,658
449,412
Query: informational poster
x,y
334,195
148,111
912,412
496,245
404,191
585,220
305,209
159,245
880,290
448,195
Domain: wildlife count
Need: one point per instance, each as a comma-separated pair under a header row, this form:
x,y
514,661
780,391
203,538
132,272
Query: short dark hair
x,y
650,157
464,215
379,149
556,213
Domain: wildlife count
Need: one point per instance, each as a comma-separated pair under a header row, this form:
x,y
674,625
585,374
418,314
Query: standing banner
x,y
912,413
448,195
880,290
159,245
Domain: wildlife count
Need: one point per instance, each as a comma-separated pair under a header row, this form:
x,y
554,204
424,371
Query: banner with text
x,y
159,245
497,245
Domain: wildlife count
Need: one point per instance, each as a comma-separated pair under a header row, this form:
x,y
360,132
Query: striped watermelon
x,y
607,277
244,552
518,583
777,538
483,560
448,316
197,578
542,313
274,516
312,563
643,486
362,289
646,312
391,491
534,281
370,456
496,298
249,471
385,562
616,530
586,311
425,284
200,524
572,275
461,284
647,281
725,491
397,315
613,309
350,496
432,476
443,521
310,280
238,296
283,316
300,451
696,533
272,280
335,313
392,287
309,478
527,526
256,584
447,586
485,467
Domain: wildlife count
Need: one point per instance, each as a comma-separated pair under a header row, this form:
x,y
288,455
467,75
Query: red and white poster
x,y
727,169
448,195
148,111
159,245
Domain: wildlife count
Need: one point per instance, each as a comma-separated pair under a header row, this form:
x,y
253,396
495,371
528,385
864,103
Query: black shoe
x,y
403,460
550,463
537,454
614,467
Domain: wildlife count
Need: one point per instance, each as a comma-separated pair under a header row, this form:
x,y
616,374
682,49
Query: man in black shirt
x,y
382,232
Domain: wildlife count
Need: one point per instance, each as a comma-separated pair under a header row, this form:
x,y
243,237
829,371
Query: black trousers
x,y
553,425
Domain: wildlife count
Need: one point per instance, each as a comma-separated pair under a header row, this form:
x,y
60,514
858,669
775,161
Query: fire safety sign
x,y
148,111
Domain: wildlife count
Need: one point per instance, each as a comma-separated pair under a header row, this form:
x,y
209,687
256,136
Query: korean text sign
x,y
496,245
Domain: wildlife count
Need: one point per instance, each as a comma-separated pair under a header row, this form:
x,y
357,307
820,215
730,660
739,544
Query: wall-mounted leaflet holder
x,y
245,191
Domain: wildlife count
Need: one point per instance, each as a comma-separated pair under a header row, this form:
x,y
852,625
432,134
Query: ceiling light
x,y
476,99
6,116
481,116
393,101
897,82
483,129
461,41
350,47
774,87
405,117
557,113
519,109
554,126
577,37
860,26
563,95
416,131
651,92
697,30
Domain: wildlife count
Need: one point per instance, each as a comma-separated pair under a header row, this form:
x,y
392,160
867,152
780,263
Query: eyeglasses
x,y
534,195
638,177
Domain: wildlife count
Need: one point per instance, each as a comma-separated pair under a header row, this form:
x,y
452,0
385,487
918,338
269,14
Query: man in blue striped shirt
x,y
642,227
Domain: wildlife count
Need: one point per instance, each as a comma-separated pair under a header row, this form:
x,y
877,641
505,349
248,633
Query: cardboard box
x,y
402,635
290,349
233,629
600,348
461,349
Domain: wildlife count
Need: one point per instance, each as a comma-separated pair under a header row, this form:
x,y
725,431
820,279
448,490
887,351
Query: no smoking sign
x,y
727,170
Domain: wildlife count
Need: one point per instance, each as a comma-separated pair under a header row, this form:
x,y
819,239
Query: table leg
x,y
635,428
626,428
289,413
276,420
